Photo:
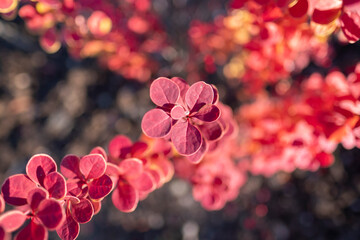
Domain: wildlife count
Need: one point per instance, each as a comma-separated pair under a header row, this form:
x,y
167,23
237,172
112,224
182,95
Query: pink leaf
x,y
101,151
16,189
145,182
39,166
208,113
96,206
92,166
4,235
156,123
178,112
199,94
70,229
74,187
125,197
36,196
183,86
49,41
2,204
212,131
216,94
32,231
163,91
120,147
100,187
12,220
82,211
198,156
69,166
56,185
131,167
186,138
51,213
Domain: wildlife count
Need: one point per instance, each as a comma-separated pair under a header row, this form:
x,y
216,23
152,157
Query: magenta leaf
x,y
12,220
82,211
70,229
56,185
32,231
212,131
163,91
101,151
36,196
199,94
100,187
145,182
198,156
156,123
69,166
39,166
16,188
125,197
350,25
74,187
50,213
119,147
178,112
186,138
208,113
92,166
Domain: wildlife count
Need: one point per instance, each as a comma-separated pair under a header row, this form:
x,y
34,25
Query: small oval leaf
x,y
39,166
100,187
92,166
56,185
163,91
50,213
125,197
16,189
12,220
82,211
186,138
156,123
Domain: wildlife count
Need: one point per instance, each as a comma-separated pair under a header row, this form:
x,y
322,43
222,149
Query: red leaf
x,y
138,149
145,182
208,113
163,91
156,123
101,151
82,211
100,187
212,131
51,213
178,112
125,197
12,220
16,189
49,41
198,156
92,166
56,185
199,94
131,167
36,196
39,166
298,8
74,187
186,138
350,25
326,11
119,147
69,166
32,231
70,229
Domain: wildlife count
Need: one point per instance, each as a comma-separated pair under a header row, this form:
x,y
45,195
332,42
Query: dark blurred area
x,y
57,105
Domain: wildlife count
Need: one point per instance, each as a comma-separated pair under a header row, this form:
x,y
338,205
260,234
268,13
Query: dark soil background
x,y
57,105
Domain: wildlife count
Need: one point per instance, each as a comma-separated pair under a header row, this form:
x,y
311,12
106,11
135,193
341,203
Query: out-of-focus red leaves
x,y
298,8
12,220
7,6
